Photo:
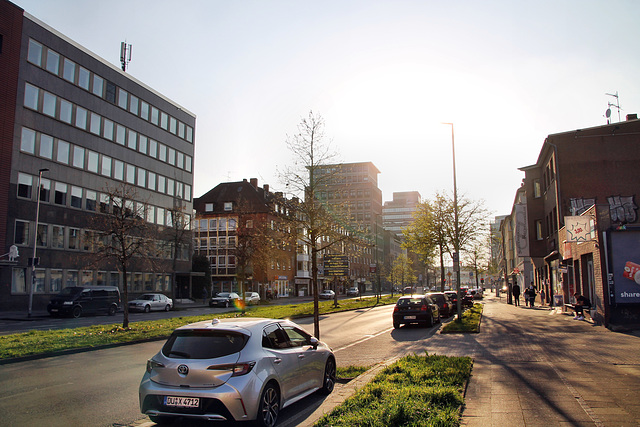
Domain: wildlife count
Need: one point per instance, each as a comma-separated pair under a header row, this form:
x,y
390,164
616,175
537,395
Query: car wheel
x,y
396,325
167,307
269,407
147,308
429,322
77,311
112,310
210,304
329,379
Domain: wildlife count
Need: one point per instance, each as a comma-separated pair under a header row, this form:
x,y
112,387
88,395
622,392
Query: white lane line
x,y
366,338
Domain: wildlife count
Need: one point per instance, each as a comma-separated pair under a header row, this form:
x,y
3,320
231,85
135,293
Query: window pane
x,y
46,146
170,186
42,234
78,157
60,195
122,98
31,94
161,184
74,238
98,83
35,53
56,281
173,125
66,111
181,129
162,151
107,129
189,134
81,118
151,181
153,148
132,139
118,170
142,143
57,237
121,133
76,197
180,160
142,177
106,166
95,123
45,190
91,200
49,104
28,141
25,185
131,174
92,161
155,115
21,236
83,78
187,165
63,152
144,110
69,72
133,104
171,156
53,61
110,93
164,120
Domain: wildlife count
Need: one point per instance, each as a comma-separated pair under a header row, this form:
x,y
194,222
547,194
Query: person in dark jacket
x,y
515,290
582,302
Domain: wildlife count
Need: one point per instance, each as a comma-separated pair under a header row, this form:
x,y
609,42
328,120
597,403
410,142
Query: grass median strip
x,y
414,391
42,342
470,321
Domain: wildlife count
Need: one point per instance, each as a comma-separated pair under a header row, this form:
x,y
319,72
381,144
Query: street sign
x,y
336,265
456,262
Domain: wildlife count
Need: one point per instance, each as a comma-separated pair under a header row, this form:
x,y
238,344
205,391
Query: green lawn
x,y
415,391
42,342
470,321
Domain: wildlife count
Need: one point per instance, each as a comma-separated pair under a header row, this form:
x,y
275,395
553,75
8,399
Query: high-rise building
x,y
77,126
398,213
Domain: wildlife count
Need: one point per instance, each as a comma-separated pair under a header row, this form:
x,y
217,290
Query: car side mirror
x,y
314,342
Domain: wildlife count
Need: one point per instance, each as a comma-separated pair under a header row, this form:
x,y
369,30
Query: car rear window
x,y
409,302
203,344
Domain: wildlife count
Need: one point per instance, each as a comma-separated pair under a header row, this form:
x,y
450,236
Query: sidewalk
x,y
539,367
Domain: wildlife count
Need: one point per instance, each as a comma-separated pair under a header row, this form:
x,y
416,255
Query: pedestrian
x,y
582,302
542,295
530,296
515,291
204,295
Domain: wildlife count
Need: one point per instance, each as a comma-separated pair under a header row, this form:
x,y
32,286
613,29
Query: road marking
x,y
365,338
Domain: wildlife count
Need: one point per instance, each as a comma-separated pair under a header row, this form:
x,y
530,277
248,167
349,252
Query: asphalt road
x,y
99,388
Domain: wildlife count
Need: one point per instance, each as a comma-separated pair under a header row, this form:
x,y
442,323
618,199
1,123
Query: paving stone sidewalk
x,y
539,367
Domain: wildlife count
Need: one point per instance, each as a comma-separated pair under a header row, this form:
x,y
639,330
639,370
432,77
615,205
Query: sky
x,y
384,76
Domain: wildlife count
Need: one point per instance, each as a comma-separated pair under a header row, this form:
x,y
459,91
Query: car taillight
x,y
423,308
152,364
237,369
445,305
395,309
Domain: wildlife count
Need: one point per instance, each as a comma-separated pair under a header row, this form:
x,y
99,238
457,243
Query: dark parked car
x,y
224,299
415,309
78,300
467,300
444,303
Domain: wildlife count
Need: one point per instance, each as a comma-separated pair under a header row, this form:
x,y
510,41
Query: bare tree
x,y
122,236
177,235
318,225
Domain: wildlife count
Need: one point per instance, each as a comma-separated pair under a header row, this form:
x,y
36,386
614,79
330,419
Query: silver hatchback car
x,y
235,370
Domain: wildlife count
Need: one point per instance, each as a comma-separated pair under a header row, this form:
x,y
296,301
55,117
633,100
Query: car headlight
x,y
67,303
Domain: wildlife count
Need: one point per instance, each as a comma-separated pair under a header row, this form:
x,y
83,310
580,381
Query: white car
x,y
251,298
327,294
149,302
239,369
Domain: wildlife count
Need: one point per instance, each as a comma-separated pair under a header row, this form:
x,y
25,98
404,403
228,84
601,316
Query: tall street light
x,y
35,241
456,241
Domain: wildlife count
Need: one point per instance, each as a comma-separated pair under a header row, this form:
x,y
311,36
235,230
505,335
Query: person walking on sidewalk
x,y
542,297
530,296
516,294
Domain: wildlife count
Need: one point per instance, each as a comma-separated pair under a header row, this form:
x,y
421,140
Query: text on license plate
x,y
183,402
409,317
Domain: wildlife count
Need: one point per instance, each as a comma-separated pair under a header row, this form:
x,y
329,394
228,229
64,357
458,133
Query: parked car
x,y
409,290
235,370
327,294
148,302
78,300
415,309
353,292
252,298
477,293
444,303
467,300
224,299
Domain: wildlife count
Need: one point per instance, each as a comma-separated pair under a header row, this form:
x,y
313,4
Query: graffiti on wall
x,y
621,208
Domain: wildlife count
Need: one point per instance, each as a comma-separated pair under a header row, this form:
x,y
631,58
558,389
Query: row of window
x,y
53,62
51,148
53,236
344,194
220,224
52,281
59,108
215,242
73,196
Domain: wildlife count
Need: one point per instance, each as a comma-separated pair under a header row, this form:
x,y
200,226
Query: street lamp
x,y
456,242
35,241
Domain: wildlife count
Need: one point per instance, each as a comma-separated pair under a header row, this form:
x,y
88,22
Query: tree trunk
x,y
314,289
441,270
125,293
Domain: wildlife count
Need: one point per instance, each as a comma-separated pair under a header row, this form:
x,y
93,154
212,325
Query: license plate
x,y
409,317
182,402
53,310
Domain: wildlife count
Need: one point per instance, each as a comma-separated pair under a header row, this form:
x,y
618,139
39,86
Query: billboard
x,y
336,265
624,266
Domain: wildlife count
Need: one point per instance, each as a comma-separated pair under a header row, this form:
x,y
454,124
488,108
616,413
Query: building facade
x,y
74,127
398,213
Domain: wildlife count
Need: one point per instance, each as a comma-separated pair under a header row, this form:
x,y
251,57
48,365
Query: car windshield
x,y
203,344
223,295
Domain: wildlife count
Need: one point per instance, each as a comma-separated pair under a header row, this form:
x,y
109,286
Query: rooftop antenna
x,y
616,105
125,55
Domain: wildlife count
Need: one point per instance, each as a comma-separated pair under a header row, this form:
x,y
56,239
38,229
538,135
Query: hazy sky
x,y
382,74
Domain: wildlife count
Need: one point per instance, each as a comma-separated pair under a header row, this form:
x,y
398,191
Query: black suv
x,y
78,300
444,303
415,309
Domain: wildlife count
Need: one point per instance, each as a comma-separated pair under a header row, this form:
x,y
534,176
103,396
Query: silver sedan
x,y
235,370
148,302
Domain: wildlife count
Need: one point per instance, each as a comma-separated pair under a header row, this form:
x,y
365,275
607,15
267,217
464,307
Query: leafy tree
x,y
402,271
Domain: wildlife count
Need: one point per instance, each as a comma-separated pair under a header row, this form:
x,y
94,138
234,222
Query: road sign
x,y
336,265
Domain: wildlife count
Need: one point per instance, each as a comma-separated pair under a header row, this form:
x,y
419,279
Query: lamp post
x,y
456,241
35,241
